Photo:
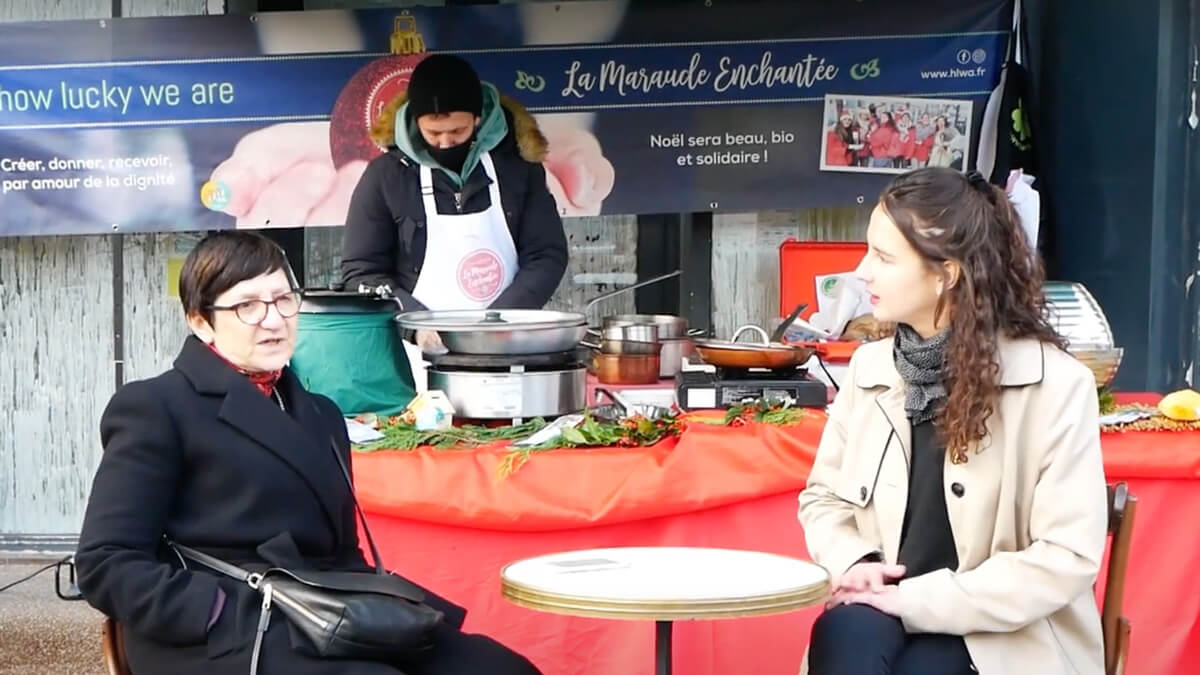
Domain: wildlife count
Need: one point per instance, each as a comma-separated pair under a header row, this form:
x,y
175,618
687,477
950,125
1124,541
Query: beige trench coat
x,y
1028,512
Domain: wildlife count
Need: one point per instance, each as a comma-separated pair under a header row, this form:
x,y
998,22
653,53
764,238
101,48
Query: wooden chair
x,y
1122,506
113,645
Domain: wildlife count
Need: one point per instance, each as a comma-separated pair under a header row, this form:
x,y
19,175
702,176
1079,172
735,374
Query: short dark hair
x,y
221,261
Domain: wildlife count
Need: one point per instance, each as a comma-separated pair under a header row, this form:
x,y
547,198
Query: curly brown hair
x,y
948,216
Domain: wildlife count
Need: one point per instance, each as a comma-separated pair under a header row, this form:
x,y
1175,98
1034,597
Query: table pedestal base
x,y
662,647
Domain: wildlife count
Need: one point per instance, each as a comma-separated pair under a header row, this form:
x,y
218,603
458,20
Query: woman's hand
x,y
866,583
886,600
867,576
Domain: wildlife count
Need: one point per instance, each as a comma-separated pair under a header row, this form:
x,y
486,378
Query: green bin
x,y
348,348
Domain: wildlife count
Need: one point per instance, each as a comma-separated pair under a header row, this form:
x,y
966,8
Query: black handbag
x,y
345,615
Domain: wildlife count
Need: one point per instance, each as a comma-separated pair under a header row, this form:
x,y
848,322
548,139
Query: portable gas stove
x,y
726,387
510,386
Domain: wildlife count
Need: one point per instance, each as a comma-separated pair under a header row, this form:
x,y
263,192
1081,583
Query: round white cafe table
x,y
664,584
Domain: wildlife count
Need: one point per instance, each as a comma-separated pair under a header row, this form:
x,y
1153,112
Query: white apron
x,y
470,258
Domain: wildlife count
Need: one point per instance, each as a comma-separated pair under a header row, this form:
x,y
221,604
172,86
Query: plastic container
x,y
801,262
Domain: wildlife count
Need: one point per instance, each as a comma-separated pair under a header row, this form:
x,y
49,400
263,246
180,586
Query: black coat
x,y
200,455
385,227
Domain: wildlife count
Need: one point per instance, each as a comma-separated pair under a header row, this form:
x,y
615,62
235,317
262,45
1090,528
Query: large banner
x,y
194,123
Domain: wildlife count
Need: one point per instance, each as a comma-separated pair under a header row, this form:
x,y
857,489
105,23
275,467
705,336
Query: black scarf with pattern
x,y
922,365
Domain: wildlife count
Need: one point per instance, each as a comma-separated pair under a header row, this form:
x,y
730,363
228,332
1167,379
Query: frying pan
x,y
734,354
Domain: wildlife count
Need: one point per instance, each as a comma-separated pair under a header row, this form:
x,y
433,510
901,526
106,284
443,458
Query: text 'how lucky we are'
x,y
115,98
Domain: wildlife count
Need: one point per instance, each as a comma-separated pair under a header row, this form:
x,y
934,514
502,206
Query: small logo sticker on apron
x,y
480,274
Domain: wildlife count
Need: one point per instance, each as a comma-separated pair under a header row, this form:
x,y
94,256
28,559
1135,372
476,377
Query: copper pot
x,y
626,368
624,347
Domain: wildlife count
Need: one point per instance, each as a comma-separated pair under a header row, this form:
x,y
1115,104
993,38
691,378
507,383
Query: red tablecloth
x,y
447,520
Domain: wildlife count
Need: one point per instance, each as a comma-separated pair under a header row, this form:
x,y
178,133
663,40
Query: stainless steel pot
x,y
671,357
624,347
674,348
669,326
512,395
504,332
633,333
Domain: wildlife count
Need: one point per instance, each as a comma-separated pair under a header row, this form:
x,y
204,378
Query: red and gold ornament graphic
x,y
369,91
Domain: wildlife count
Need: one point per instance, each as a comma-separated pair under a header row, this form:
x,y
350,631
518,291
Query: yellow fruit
x,y
1183,405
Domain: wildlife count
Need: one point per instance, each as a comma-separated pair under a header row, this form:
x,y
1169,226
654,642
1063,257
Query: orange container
x,y
801,262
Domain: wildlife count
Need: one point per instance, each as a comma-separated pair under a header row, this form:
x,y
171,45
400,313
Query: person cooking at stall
x,y
456,215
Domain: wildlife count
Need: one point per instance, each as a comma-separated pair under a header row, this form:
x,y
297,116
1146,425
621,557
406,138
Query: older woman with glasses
x,y
228,454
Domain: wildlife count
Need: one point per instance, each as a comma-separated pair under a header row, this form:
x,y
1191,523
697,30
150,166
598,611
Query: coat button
x,y
958,489
862,493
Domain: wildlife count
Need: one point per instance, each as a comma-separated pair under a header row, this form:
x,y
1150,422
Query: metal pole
x,y
662,647
118,282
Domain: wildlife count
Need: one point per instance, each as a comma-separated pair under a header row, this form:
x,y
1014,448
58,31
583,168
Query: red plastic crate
x,y
801,262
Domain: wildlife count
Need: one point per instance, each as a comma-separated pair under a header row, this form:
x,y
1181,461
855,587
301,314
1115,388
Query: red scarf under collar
x,y
263,381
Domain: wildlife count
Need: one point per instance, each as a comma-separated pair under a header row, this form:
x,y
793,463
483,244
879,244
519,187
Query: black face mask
x,y
453,157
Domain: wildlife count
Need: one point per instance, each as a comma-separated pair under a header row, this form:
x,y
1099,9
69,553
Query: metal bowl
x,y
622,408
611,412
1102,362
502,332
1077,316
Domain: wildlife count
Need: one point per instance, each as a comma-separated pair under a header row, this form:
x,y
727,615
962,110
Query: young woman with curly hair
x,y
958,493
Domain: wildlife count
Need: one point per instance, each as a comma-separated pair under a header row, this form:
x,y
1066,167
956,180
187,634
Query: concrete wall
x,y
57,333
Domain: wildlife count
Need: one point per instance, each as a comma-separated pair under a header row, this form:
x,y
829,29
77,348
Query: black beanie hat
x,y
442,83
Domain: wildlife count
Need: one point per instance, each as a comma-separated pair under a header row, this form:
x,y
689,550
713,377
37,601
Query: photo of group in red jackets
x,y
894,135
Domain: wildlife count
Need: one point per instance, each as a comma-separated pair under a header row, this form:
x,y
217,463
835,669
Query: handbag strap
x,y
228,569
250,579
360,516
379,569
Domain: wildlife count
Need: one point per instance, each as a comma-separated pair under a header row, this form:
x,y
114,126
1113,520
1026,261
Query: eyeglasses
x,y
253,312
